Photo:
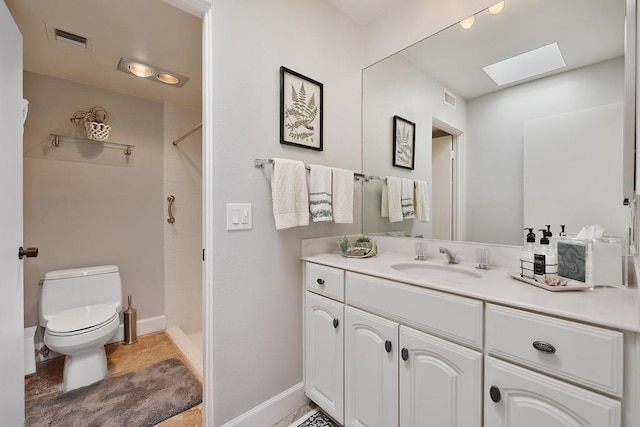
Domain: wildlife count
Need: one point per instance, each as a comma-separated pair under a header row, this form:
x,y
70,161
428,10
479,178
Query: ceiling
x,y
148,30
364,11
455,57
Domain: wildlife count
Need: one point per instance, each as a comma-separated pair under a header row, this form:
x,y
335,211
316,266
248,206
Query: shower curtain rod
x,y
187,134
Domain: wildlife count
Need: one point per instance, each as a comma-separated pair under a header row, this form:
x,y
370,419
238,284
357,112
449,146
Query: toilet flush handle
x,y
29,252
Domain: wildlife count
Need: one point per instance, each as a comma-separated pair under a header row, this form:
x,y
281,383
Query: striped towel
x,y
406,199
320,193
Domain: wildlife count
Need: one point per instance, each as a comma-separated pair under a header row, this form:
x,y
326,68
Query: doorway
x,y
446,154
99,179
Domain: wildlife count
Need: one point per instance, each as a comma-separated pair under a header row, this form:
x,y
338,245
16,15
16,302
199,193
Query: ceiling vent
x,y
449,99
64,36
59,35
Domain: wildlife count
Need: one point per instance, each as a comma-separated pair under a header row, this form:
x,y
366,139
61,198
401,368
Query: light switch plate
x,y
239,216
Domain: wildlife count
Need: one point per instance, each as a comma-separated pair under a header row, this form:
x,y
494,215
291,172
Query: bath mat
x,y
141,398
314,418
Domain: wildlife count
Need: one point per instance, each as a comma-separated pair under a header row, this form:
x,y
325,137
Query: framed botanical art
x,y
404,142
300,110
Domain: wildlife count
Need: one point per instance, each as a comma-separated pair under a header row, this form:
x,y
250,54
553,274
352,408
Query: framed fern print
x,y
300,110
404,143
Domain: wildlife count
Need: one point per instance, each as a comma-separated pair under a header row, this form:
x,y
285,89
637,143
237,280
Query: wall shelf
x,y
81,149
57,140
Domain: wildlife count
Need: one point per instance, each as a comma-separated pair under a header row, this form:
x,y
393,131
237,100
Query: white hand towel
x,y
384,205
289,193
394,191
320,193
342,196
422,201
407,199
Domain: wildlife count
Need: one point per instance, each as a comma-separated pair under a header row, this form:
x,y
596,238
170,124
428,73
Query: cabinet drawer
x,y
324,280
449,316
583,354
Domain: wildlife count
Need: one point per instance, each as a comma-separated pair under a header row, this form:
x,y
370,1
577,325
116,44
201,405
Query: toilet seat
x,y
81,320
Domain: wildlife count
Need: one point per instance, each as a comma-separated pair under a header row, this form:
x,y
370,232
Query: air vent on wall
x,y
449,99
65,36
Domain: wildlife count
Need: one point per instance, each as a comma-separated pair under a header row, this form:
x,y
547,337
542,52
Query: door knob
x,y
336,322
387,346
29,252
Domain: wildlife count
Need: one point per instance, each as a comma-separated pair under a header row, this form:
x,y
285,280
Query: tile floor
x,y
122,359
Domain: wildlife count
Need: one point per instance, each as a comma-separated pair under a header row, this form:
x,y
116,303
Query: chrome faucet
x,y
452,257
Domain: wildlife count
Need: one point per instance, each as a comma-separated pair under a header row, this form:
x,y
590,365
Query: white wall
x,y
396,87
257,273
572,164
183,238
494,144
83,214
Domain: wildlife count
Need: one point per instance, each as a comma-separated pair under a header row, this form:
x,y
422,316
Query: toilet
x,y
79,310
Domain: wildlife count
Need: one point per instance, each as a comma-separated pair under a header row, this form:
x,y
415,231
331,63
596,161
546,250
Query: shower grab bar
x,y
171,219
177,141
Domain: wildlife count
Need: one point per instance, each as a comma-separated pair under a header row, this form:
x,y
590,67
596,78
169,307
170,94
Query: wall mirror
x,y
502,149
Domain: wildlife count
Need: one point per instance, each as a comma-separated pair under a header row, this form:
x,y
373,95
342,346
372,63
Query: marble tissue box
x,y
594,262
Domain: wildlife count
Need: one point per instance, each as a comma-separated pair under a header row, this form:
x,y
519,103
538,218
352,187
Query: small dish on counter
x,y
570,285
363,248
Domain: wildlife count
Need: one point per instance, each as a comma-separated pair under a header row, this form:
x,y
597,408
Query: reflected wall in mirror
x,y
546,149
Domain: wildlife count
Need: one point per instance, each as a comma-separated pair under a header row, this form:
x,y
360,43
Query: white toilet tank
x,y
66,289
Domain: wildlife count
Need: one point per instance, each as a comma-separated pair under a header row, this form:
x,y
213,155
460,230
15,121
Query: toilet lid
x,y
81,318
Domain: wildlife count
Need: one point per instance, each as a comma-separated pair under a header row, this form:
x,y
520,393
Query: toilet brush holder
x,y
130,333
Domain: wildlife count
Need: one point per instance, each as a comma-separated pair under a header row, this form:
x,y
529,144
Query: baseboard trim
x,y
143,327
272,410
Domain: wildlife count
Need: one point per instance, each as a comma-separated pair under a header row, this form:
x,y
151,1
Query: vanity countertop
x,y
609,307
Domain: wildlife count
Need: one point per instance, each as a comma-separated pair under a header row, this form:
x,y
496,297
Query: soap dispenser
x,y
527,256
545,260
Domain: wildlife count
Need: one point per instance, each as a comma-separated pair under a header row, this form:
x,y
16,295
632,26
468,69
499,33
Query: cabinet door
x,y
440,382
371,370
324,339
517,397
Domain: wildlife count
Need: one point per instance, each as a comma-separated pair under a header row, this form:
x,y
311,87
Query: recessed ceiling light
x,y
140,70
496,8
154,73
468,23
529,64
168,79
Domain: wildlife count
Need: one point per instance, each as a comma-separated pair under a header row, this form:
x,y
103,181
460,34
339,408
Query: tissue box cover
x,y
595,262
572,260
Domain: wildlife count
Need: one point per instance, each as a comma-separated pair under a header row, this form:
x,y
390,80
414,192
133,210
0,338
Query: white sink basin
x,y
436,271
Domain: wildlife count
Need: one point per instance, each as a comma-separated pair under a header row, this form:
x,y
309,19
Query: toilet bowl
x,y
79,310
80,334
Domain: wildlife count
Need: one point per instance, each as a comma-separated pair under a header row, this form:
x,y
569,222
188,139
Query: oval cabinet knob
x,y
336,322
29,252
405,354
387,346
494,393
320,281
544,347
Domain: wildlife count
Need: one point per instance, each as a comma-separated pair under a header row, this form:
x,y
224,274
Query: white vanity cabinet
x,y
583,354
324,339
371,370
518,397
440,382
395,373
413,356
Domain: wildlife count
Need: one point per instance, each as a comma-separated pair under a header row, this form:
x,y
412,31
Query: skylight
x,y
538,61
